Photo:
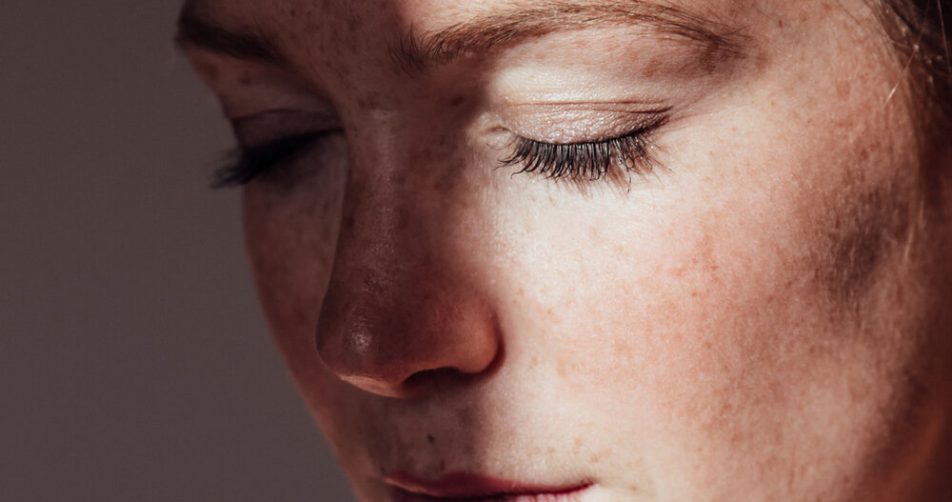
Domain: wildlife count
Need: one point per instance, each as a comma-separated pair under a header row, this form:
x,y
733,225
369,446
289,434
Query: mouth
x,y
475,488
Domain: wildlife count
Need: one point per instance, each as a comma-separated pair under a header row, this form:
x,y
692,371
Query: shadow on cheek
x,y
872,236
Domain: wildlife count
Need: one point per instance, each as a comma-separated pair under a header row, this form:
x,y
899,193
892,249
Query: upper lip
x,y
466,485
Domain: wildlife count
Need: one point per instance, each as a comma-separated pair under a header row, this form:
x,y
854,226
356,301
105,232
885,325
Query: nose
x,y
402,311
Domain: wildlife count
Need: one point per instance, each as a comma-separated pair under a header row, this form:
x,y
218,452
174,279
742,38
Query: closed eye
x,y
587,161
247,164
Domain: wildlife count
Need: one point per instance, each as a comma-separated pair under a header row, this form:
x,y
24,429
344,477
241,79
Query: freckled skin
x,y
764,319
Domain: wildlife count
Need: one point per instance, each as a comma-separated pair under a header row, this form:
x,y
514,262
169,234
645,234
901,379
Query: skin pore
x,y
751,310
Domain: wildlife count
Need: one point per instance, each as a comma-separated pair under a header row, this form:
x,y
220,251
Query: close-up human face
x,y
595,249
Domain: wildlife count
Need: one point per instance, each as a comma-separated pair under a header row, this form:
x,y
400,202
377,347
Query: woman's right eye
x,y
251,163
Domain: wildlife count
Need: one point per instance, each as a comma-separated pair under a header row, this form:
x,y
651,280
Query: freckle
x,y
457,101
843,89
431,438
594,458
354,24
465,417
679,271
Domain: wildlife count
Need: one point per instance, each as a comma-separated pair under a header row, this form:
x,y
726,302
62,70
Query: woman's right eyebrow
x,y
416,53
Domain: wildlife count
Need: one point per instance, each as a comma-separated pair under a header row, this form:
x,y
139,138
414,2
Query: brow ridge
x,y
195,31
416,52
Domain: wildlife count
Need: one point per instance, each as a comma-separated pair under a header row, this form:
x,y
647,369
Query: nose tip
x,y
396,350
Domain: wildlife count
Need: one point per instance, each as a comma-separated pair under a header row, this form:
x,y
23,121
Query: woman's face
x,y
648,250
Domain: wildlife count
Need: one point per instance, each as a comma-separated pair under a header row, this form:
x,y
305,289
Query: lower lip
x,y
463,487
398,495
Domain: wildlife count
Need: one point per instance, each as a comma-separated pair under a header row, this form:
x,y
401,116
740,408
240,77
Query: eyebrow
x,y
416,52
194,30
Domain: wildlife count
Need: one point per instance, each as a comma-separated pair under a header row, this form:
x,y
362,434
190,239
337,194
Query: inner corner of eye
x,y
500,137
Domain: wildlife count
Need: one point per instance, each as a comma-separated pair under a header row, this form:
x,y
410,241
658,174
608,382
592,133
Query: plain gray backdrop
x,y
134,364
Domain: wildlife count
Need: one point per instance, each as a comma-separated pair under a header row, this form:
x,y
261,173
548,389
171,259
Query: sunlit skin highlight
x,y
756,313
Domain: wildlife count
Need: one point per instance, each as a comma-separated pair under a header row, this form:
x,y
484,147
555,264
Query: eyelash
x,y
586,161
575,162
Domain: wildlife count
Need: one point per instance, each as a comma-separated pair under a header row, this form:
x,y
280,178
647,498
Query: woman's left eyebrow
x,y
416,53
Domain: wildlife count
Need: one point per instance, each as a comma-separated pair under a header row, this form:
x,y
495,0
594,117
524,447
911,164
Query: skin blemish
x,y
843,88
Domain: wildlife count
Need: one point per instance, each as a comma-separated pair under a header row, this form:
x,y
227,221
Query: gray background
x,y
134,364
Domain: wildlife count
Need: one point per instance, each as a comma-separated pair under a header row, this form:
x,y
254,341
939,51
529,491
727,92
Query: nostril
x,y
430,378
450,376
425,382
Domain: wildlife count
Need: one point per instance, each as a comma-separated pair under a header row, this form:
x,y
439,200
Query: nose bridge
x,y
389,223
384,261
399,304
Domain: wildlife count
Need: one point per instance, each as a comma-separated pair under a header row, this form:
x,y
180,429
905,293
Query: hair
x,y
918,29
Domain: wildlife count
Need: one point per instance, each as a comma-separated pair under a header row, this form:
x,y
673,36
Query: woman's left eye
x,y
587,161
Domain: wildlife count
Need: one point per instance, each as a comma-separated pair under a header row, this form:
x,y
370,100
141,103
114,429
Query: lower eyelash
x,y
585,161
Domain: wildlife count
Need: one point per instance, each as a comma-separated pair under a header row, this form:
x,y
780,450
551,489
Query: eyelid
x,y
274,125
582,122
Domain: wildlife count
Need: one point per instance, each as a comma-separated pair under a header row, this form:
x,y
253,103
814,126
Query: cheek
x,y
663,298
719,313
